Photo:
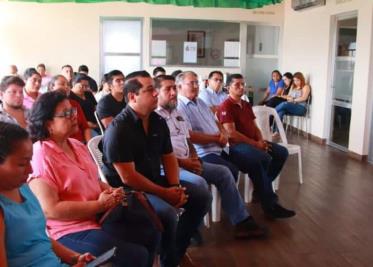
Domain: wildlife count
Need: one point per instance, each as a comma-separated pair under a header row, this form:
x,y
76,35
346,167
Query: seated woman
x,y
275,87
297,98
288,83
65,181
32,87
80,93
104,88
23,240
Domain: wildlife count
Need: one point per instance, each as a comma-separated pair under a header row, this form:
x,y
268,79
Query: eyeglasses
x,y
68,113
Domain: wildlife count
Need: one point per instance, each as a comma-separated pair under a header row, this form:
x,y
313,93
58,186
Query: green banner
x,y
247,4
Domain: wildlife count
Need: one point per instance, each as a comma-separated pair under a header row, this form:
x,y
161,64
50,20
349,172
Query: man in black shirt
x,y
135,144
112,104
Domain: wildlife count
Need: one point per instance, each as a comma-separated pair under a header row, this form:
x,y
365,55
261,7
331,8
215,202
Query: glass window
x,y
121,41
195,42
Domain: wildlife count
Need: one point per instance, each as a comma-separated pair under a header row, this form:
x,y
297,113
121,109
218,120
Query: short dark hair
x,y
158,69
159,79
9,80
233,76
132,84
110,75
43,111
215,72
66,66
176,72
278,72
79,77
83,68
29,72
42,65
10,134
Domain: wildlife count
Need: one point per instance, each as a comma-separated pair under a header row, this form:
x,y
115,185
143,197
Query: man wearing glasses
x,y
210,138
192,168
135,145
214,95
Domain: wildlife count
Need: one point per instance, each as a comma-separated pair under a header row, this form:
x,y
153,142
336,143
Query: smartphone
x,y
103,258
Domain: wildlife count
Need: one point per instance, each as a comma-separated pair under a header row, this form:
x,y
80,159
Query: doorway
x,y
342,84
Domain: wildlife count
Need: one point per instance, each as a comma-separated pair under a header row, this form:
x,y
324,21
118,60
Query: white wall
x,y
69,33
307,43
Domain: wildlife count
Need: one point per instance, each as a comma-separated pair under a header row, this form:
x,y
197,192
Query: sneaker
x,y
249,229
279,212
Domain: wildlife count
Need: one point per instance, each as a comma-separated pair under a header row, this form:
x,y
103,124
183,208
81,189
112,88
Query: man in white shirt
x,y
193,170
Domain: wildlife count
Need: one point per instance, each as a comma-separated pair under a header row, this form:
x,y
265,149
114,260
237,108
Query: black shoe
x,y
249,229
197,239
279,212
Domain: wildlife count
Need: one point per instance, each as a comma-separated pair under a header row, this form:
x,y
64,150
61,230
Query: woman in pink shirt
x,y
32,87
65,181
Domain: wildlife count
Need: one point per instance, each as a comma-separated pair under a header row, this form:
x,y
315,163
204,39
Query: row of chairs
x,y
262,114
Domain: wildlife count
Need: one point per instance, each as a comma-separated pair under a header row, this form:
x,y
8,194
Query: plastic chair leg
x,y
249,188
300,167
216,204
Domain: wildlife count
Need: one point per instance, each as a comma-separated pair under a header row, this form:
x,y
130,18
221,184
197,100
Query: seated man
x,y
214,95
112,104
191,167
210,139
159,71
11,108
261,159
135,144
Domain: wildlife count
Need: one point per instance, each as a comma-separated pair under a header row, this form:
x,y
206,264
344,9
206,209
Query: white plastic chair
x,y
298,121
97,155
263,114
102,128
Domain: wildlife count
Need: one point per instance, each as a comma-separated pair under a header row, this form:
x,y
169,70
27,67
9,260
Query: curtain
x,y
247,4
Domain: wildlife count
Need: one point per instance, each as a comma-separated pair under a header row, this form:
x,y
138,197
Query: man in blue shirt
x,y
214,95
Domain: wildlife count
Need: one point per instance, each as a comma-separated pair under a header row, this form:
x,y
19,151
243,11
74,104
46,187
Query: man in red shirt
x,y
261,159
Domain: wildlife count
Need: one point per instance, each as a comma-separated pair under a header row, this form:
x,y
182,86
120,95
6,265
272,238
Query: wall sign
x,y
301,4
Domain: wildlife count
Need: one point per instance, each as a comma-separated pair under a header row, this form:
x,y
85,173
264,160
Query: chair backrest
x,y
102,128
263,114
97,155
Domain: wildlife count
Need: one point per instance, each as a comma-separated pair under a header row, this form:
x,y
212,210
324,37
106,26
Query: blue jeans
x,y
178,232
222,178
262,167
222,160
98,241
291,109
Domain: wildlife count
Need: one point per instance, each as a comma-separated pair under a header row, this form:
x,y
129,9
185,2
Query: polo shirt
x,y
212,98
179,131
274,86
72,180
108,106
126,141
28,101
242,116
88,105
201,119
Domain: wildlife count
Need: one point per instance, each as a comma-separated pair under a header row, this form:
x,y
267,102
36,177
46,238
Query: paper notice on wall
x,y
190,52
159,48
231,49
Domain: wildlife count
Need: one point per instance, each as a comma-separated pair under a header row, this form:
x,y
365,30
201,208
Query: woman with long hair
x,y
296,101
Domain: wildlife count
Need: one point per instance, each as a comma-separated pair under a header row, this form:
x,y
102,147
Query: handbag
x,y
136,209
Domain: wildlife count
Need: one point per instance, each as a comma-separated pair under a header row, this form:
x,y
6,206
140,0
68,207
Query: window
x,y
121,43
195,43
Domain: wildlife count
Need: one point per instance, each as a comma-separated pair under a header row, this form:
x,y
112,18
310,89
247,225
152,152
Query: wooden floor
x,y
333,225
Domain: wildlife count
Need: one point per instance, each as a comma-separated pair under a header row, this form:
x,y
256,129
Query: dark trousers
x,y
178,231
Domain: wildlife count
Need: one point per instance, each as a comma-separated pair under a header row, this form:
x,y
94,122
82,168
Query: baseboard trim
x,y
357,156
313,138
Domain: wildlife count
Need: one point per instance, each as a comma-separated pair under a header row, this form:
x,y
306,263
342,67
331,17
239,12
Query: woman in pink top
x,y
65,181
32,87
